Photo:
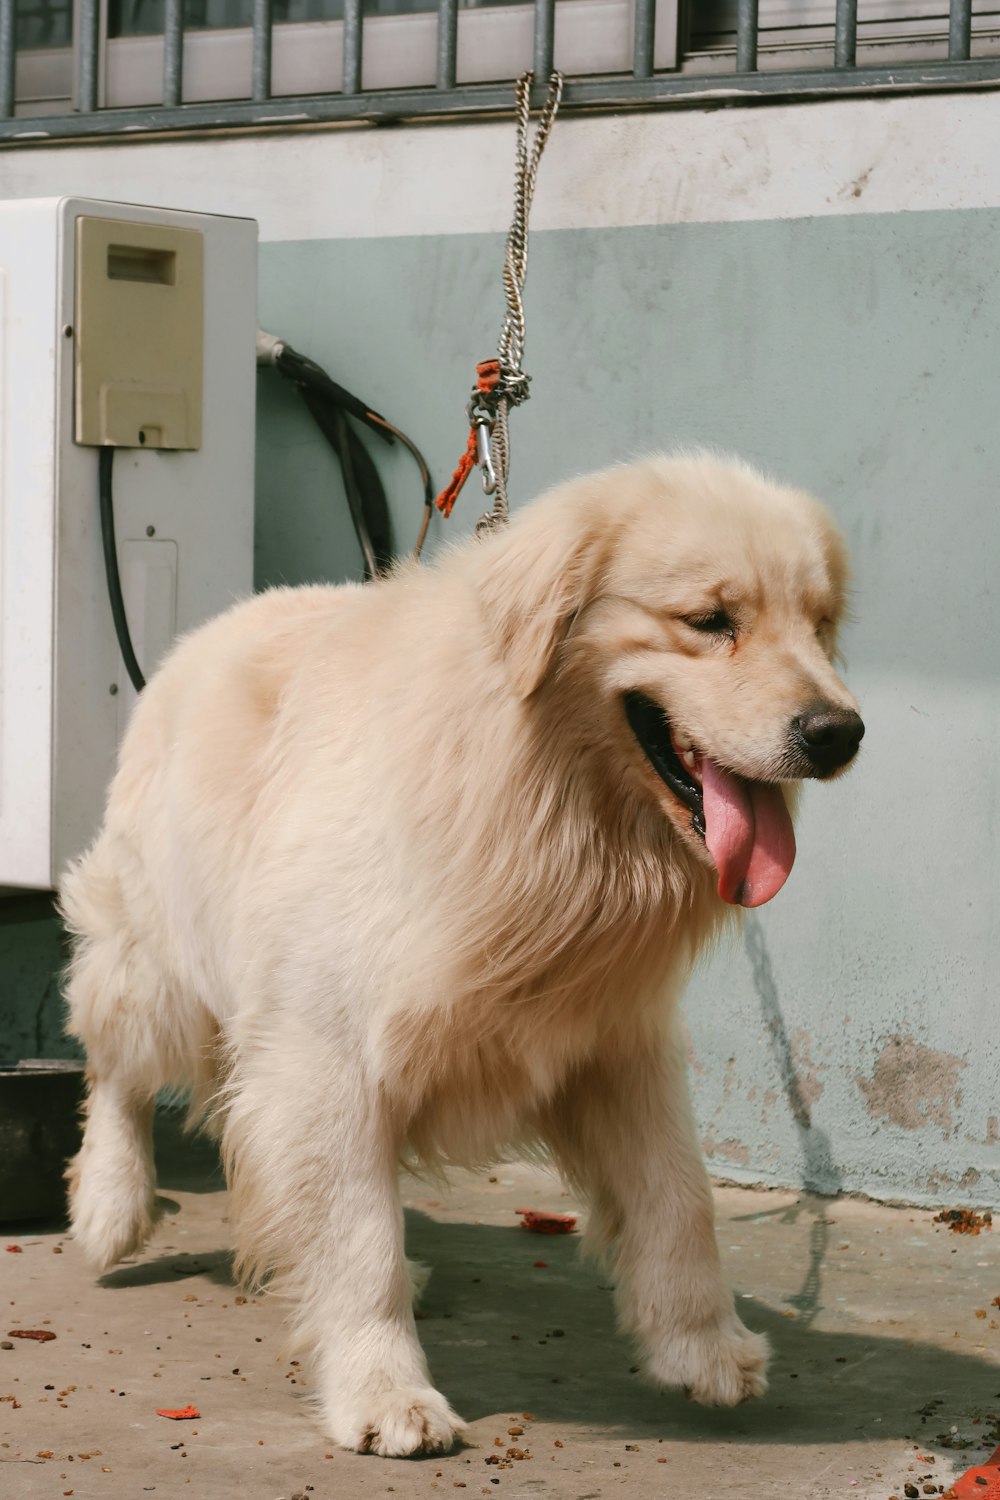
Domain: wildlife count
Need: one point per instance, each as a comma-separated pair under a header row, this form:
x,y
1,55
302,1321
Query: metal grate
x,y
738,72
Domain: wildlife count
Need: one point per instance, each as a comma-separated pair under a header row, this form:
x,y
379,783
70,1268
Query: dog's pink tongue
x,y
749,835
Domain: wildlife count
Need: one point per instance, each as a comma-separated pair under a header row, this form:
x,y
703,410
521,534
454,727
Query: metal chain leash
x,y
489,415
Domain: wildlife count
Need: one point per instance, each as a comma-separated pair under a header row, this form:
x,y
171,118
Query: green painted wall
x,y
850,1040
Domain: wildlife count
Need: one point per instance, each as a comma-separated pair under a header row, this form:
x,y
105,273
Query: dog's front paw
x,y
719,1366
399,1423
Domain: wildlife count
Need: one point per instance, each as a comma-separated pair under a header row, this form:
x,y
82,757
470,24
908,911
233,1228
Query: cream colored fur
x,y
384,871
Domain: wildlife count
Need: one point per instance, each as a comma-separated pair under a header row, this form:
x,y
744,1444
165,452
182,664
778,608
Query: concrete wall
x,y
814,288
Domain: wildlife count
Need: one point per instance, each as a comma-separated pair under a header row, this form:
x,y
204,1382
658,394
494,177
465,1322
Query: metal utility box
x,y
138,335
132,327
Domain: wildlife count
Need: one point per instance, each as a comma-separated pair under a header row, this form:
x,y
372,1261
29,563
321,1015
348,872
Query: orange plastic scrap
x,y
982,1482
40,1335
181,1414
545,1223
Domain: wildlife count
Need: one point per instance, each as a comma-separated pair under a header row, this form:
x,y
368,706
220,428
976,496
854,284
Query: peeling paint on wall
x,y
913,1085
942,1184
728,1150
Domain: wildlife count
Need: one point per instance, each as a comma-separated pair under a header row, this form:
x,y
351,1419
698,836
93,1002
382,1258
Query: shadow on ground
x,y
490,1333
217,1265
505,1334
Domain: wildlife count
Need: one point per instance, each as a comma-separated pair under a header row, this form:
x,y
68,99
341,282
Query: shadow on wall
x,y
818,1170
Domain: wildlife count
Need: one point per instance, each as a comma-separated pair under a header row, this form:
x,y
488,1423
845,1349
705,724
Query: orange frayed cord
x,y
487,380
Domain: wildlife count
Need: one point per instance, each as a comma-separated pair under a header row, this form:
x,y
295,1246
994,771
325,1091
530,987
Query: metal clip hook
x,y
484,457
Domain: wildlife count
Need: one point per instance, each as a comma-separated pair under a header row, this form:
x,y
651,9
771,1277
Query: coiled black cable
x,y
330,405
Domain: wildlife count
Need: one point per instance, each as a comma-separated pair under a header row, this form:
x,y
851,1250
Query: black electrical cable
x,y
105,462
367,503
330,404
361,473
425,475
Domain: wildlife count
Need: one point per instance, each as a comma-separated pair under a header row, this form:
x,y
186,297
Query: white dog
x,y
419,868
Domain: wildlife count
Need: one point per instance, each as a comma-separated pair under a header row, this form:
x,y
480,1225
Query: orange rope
x,y
487,380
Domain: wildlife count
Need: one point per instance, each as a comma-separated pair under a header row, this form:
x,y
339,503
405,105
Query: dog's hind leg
x,y
313,1163
112,1180
622,1131
125,1015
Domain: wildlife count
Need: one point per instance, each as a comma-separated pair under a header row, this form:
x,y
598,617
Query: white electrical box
x,y
129,327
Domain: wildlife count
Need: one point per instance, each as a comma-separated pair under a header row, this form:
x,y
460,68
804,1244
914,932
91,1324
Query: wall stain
x,y
729,1149
913,1085
729,1078
857,187
944,1183
809,1083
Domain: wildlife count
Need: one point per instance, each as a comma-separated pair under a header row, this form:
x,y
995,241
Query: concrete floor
x,y
885,1331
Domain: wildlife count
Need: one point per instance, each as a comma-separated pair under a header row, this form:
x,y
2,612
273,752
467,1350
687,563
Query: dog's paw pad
x,y
403,1423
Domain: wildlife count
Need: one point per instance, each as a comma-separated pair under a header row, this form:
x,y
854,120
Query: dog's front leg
x,y
314,1171
622,1131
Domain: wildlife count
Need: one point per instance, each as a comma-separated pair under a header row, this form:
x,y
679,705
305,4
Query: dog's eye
x,y
717,623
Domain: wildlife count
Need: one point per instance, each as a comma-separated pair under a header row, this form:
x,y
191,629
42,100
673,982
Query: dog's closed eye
x,y
716,623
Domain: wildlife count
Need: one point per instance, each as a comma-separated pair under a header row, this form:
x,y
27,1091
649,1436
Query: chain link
x,y
513,385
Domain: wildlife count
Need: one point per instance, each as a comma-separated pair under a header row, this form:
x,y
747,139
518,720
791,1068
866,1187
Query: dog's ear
x,y
535,584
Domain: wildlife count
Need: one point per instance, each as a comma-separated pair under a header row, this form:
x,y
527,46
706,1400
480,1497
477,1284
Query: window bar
x,y
960,31
260,66
845,37
173,52
644,36
352,47
746,36
88,54
8,58
447,38
545,30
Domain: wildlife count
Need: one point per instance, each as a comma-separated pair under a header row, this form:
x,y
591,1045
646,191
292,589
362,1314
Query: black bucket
x,y
40,1129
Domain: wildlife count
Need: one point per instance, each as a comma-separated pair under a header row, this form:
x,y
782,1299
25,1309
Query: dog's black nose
x,y
829,736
